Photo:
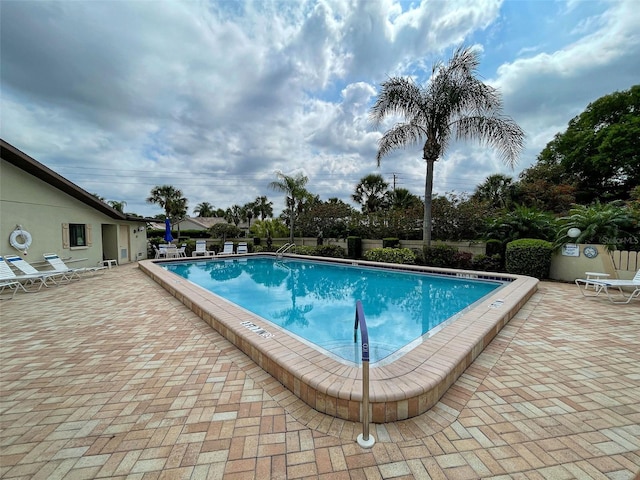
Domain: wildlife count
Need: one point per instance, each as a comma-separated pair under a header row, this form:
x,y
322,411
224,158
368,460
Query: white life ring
x,y
20,245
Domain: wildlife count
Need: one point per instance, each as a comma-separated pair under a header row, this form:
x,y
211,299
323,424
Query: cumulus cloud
x,y
214,97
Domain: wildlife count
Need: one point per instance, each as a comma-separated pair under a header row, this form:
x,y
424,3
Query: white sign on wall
x,y
570,250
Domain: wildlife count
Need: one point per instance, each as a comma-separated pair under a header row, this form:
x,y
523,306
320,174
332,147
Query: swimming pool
x,y
316,300
400,388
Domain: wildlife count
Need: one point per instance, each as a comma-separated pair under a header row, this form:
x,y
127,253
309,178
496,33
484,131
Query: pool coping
x,y
407,387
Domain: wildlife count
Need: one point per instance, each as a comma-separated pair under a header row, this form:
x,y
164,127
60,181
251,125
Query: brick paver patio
x,y
111,377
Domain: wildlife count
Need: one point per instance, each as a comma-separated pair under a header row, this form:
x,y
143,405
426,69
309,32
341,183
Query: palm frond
x,y
399,96
400,135
500,132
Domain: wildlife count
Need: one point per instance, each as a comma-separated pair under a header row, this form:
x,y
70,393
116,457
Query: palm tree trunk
x,y
291,219
428,189
291,226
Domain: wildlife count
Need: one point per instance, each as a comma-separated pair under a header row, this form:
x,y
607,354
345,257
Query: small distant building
x,y
199,223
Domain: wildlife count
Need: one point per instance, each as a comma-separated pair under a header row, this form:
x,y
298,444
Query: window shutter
x,y
89,236
65,235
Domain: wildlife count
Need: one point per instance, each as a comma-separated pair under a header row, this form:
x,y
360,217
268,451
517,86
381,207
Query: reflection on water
x,y
316,300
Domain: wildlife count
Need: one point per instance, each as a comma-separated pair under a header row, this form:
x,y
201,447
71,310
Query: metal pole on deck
x,y
364,439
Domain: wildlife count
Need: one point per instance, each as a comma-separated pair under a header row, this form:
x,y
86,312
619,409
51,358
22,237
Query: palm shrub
x,y
611,224
529,256
521,222
391,255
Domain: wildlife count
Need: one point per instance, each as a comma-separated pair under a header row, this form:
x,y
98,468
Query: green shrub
x,y
391,255
529,256
419,255
390,242
304,250
487,263
440,255
494,247
334,251
462,260
354,247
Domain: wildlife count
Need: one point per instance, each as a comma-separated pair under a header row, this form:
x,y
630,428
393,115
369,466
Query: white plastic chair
x,y
228,248
201,249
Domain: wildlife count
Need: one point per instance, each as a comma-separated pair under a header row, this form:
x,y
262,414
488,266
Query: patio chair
x,y
33,282
70,273
228,249
27,269
12,285
604,285
242,247
201,249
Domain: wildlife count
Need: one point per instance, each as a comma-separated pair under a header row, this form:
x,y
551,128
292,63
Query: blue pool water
x,y
316,300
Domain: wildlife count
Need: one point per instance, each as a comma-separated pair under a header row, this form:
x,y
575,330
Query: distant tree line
x,y
587,177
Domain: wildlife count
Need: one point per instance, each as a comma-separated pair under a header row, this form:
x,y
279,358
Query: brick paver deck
x,y
111,377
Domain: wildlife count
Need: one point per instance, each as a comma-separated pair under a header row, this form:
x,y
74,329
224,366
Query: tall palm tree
x,y
402,199
372,193
264,207
172,200
233,214
250,210
453,104
169,198
294,189
497,190
204,209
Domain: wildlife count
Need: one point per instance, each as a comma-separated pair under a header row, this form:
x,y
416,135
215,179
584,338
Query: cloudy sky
x,y
215,97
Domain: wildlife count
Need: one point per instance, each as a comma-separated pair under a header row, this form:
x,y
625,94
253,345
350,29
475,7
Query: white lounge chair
x,y
201,249
70,273
604,285
228,249
242,247
32,281
27,269
13,285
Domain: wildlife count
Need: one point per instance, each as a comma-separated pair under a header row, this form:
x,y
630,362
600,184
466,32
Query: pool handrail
x,y
364,439
363,329
283,249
